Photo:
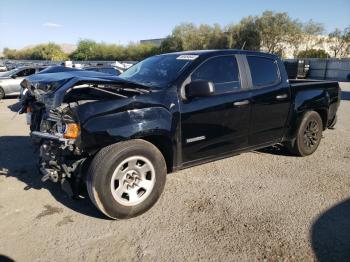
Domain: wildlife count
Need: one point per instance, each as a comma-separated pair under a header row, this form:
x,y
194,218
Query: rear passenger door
x,y
218,124
270,101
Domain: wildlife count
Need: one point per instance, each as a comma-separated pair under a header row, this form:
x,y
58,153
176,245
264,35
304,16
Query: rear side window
x,y
26,72
21,73
30,71
222,71
264,71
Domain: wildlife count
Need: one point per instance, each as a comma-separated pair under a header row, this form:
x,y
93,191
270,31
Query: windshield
x,y
156,71
8,73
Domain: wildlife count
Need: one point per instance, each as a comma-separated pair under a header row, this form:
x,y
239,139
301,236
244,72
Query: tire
x,y
126,179
308,135
2,93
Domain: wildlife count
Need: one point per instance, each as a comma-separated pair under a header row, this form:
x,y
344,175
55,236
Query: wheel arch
x,y
164,145
323,112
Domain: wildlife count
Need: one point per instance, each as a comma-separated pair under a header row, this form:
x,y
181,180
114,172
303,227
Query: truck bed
x,y
311,82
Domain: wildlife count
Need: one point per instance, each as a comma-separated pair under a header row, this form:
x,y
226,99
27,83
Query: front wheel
x,y
126,179
308,135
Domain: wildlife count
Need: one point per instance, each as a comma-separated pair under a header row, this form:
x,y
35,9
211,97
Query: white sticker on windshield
x,y
187,57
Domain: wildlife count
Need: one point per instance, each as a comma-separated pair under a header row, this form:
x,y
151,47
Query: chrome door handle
x,y
283,96
241,103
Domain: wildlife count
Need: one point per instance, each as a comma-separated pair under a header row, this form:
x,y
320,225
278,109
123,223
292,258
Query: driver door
x,y
218,124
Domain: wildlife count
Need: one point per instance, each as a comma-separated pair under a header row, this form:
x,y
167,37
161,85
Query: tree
x,y
188,36
90,50
272,32
339,42
140,51
310,32
85,50
244,35
171,44
218,39
276,30
9,53
313,53
50,51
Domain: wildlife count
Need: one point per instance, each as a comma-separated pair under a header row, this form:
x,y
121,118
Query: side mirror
x,y
14,76
199,89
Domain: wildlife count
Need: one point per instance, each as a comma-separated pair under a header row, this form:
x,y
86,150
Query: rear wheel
x,y
126,179
308,136
2,93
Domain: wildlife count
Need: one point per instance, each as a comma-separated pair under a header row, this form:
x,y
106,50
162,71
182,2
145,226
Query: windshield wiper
x,y
108,92
136,90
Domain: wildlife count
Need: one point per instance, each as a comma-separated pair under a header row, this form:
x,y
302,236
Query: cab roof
x,y
214,52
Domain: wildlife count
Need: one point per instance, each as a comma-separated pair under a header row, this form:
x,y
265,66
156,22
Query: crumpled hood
x,y
52,81
51,89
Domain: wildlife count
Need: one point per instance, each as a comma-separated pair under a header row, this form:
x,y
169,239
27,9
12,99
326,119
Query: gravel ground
x,y
264,205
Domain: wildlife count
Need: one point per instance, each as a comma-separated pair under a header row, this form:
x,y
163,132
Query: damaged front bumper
x,y
44,135
60,160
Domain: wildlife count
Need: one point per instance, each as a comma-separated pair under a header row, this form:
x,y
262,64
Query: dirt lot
x,y
264,205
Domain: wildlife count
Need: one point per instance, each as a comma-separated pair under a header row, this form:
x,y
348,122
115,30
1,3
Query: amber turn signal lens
x,y
72,131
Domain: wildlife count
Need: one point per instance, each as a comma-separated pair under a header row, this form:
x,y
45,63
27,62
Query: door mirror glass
x,y
199,89
14,76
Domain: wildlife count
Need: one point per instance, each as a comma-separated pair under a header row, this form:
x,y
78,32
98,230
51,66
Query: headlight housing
x,y
72,131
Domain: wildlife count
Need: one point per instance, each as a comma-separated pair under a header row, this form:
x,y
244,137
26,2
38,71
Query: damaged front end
x,y
57,115
60,157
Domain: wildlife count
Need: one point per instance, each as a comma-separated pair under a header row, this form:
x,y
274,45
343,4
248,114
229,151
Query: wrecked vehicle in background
x,y
122,135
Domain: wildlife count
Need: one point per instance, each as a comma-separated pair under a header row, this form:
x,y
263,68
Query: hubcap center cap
x,y
131,177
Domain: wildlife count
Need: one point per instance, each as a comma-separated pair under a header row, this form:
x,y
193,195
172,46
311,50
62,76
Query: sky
x,y
28,22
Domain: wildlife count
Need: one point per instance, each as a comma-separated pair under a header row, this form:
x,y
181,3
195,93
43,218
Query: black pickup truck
x,y
122,135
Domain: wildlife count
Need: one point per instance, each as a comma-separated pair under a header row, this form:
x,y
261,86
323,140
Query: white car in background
x,y
10,80
3,68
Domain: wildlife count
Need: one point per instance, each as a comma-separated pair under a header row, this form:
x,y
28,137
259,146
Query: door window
x,y
21,73
26,72
222,71
264,71
30,71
